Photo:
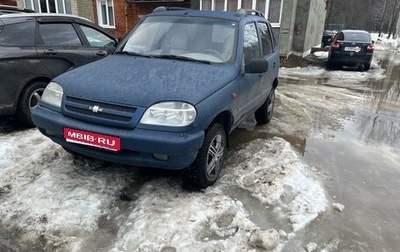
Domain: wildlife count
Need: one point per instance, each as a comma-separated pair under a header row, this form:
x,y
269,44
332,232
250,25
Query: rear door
x,y
59,45
271,54
100,43
18,61
249,83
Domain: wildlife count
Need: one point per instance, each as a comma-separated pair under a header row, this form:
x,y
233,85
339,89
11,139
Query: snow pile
x,y
70,202
383,43
321,54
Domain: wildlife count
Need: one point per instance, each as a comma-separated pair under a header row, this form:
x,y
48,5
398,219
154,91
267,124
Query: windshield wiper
x,y
172,56
133,54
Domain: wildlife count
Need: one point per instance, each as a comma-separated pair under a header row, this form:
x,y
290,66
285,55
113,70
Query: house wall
x,y
121,14
83,8
285,32
20,3
9,2
128,14
309,25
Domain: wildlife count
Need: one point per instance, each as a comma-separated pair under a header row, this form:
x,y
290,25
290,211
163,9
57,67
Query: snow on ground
x,y
53,200
384,43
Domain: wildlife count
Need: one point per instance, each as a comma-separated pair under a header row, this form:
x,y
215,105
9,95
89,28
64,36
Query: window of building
x,y
49,6
272,9
105,12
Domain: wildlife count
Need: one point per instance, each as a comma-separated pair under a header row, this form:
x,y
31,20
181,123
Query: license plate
x,y
92,139
352,49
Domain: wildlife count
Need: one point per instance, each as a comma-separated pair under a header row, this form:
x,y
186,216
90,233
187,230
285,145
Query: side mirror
x,y
257,65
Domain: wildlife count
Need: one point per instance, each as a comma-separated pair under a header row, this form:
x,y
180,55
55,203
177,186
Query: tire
x,y
264,113
29,99
205,170
367,66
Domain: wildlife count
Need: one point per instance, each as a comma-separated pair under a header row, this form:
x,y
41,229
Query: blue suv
x,y
177,84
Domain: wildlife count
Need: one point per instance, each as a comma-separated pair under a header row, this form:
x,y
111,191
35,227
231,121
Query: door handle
x,y
101,53
50,52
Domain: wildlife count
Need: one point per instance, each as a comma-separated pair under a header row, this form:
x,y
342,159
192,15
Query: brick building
x,y
127,12
9,2
83,8
298,24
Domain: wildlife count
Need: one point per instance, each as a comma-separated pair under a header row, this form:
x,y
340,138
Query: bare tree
x,y
394,18
383,16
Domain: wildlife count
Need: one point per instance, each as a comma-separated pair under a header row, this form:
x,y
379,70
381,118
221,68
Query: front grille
x,y
82,108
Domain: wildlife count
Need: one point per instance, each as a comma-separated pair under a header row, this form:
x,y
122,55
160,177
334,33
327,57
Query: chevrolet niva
x,y
177,84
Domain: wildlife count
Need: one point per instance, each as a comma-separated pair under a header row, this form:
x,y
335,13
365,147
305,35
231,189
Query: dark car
x,y
35,48
351,48
327,37
179,82
9,9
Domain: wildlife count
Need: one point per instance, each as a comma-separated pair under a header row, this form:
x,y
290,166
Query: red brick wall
x,y
9,2
127,15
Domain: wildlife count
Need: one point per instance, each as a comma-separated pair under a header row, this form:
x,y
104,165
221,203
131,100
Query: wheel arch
x,y
225,118
44,79
275,83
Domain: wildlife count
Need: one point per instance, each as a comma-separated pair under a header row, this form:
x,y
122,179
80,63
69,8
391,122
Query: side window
x,y
96,38
340,36
59,34
22,34
266,39
251,47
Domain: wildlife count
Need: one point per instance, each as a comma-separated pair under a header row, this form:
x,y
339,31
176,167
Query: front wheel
x,y
205,170
263,114
28,100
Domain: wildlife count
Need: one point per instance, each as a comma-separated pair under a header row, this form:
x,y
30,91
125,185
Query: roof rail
x,y
163,8
243,12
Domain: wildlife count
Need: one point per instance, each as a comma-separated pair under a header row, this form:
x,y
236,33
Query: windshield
x,y
202,39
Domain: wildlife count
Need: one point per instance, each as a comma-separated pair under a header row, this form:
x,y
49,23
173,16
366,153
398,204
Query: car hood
x,y
141,81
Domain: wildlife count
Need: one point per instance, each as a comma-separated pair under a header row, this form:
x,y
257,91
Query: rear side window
x,y
21,35
251,43
59,34
96,38
266,39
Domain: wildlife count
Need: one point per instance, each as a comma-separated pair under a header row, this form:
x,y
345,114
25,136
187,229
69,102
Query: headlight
x,y
169,114
53,94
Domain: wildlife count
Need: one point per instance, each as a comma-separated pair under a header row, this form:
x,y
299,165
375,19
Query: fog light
x,y
161,157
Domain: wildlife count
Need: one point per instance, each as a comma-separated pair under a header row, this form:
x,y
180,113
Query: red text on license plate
x,y
93,139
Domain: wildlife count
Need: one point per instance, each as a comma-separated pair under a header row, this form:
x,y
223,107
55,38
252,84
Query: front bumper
x,y
139,147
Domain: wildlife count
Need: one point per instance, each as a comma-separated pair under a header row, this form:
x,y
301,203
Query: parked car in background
x,y
176,86
351,48
327,37
9,9
35,48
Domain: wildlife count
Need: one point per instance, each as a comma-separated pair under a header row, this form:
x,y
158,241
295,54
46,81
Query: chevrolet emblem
x,y
95,109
